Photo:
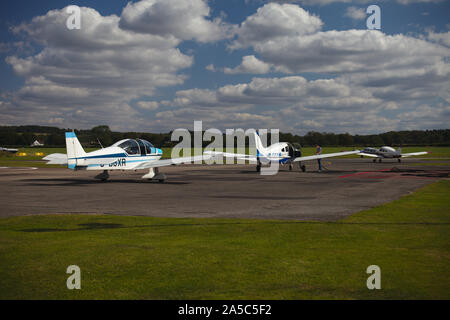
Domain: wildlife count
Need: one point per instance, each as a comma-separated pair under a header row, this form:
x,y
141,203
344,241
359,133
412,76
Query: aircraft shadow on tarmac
x,y
263,197
83,226
421,173
207,173
78,182
106,226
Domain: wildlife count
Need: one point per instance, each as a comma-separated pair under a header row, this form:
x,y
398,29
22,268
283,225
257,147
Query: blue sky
x,y
155,65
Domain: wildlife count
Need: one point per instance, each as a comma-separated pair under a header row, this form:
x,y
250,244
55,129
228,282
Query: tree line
x,y
19,136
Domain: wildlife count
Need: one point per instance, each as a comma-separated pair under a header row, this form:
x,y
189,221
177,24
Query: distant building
x,y
37,144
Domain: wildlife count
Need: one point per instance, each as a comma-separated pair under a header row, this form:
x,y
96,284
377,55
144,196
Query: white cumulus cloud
x,y
250,64
275,20
355,13
97,69
183,19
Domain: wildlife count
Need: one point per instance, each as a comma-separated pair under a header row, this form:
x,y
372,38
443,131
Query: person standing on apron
x,y
319,161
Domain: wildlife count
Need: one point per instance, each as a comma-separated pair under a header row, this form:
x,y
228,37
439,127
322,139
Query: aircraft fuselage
x,y
113,158
384,152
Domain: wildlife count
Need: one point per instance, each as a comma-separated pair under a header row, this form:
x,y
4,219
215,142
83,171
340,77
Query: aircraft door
x,y
291,152
141,147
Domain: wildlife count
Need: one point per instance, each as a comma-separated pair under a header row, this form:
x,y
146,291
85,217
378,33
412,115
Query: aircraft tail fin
x,y
74,149
260,150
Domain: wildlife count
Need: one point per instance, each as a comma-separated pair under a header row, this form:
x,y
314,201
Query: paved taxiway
x,y
231,191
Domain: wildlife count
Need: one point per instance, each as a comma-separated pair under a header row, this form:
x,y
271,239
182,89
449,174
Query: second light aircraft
x,y
388,153
282,152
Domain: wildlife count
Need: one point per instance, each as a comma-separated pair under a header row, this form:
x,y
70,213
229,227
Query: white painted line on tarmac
x,y
20,168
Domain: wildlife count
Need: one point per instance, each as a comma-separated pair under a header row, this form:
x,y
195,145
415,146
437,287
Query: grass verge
x,y
124,257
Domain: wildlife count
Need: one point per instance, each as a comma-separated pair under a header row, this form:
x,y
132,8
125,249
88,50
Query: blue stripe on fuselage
x,y
156,157
269,159
116,155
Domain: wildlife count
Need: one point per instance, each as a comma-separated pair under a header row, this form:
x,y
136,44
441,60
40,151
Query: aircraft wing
x,y
170,162
56,158
326,155
61,158
413,154
253,158
237,156
369,155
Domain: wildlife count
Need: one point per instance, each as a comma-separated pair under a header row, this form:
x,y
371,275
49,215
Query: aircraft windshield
x,y
130,146
293,151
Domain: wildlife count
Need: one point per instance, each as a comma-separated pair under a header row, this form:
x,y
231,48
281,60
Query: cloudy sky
x,y
157,65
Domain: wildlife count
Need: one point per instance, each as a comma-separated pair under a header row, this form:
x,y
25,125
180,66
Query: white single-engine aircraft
x,y
282,152
127,154
9,150
388,152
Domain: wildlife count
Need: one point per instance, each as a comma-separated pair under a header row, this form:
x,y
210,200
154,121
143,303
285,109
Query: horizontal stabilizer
x,y
56,158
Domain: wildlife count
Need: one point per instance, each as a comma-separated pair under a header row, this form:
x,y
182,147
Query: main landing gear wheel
x,y
258,166
302,167
154,174
374,160
290,167
379,160
103,176
399,160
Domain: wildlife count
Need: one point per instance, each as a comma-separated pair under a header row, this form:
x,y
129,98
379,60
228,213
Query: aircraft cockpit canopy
x,y
370,150
386,149
136,147
130,146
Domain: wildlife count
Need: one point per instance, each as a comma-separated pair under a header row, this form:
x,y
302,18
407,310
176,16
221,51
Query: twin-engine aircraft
x,y
388,152
282,152
127,154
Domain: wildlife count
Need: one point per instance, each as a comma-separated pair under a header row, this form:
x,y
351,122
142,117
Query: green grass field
x,y
157,258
